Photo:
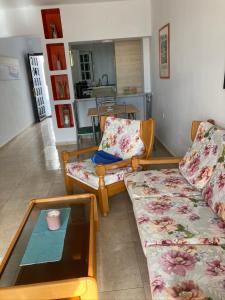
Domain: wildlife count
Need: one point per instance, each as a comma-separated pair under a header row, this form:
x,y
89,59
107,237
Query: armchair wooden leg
x,y
103,201
69,185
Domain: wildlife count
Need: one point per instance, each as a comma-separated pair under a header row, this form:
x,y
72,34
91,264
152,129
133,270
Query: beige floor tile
x,y
114,230
118,205
57,189
133,227
147,289
107,296
142,262
130,294
117,267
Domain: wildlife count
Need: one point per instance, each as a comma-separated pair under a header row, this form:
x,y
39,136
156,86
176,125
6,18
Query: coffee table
x,y
74,276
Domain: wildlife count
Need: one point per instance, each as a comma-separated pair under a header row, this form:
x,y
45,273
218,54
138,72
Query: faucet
x,y
107,78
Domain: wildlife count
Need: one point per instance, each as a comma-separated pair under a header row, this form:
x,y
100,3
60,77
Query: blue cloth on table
x,y
102,157
46,245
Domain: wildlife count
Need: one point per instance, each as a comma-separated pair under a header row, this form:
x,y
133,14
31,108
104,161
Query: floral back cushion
x,y
199,162
214,192
122,138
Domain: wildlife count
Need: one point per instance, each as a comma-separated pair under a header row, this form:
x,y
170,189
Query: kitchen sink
x,y
104,91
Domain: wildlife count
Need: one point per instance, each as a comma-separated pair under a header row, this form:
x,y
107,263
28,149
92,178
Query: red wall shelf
x,y
52,23
60,87
56,56
64,115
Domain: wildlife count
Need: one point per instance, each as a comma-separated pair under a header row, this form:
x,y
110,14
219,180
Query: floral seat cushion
x,y
158,183
187,272
84,171
122,138
169,220
199,162
214,192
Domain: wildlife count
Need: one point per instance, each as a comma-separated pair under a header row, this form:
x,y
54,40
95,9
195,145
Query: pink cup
x,y
53,219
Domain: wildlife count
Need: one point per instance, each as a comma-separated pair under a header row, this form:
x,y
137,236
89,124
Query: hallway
x,y
29,168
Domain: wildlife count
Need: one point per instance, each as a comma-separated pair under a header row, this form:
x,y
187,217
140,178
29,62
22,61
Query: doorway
x,y
39,87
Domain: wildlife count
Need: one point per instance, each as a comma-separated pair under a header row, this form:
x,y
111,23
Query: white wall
x,y
194,90
16,111
81,22
84,22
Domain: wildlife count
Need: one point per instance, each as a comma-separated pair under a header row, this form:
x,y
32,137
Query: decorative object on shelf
x,y
56,56
52,23
164,52
61,90
60,87
65,89
66,118
64,115
53,31
58,63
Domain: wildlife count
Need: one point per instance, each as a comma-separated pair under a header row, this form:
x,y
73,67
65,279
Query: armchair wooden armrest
x,y
154,161
101,169
66,155
117,165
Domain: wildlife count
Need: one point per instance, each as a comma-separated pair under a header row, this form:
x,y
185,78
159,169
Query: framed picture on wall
x,y
164,52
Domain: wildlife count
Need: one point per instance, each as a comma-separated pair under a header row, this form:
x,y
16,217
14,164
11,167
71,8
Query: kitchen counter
x,y
118,96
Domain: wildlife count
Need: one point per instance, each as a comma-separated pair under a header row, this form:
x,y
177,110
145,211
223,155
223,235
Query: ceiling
x,y
28,3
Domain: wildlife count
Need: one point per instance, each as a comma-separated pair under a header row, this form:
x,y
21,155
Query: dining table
x,y
118,109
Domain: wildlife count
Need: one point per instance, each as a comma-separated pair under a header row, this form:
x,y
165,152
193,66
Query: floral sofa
x,y
180,215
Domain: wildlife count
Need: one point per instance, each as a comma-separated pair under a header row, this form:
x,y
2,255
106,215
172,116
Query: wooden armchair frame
x,y
136,162
106,191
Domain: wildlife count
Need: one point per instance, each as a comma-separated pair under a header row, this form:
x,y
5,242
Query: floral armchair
x,y
121,137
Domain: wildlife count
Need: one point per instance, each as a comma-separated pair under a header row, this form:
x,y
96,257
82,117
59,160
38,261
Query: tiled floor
x,y
30,168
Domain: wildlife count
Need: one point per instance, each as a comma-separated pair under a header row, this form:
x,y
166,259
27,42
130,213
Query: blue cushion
x,y
102,157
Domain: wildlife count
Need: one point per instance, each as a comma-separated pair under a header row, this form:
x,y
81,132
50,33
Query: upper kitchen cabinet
x,y
129,67
52,23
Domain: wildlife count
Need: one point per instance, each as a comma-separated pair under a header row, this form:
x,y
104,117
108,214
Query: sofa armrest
x,y
154,161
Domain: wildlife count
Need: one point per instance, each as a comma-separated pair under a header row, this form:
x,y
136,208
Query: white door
x,y
40,88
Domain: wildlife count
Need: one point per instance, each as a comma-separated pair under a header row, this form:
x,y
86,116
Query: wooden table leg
x,y
93,128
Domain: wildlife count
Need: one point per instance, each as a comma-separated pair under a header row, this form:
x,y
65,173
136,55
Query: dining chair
x,y
105,102
85,130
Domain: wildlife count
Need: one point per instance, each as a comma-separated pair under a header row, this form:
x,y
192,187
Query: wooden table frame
x,y
79,288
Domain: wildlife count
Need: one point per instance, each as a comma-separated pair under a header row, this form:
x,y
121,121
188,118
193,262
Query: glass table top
x,y
74,262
